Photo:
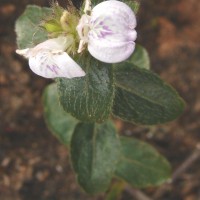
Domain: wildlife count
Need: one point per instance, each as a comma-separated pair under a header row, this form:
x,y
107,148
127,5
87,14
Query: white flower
x,y
49,59
109,32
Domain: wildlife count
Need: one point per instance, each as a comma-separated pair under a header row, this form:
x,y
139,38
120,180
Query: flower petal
x,y
112,35
111,54
23,52
58,43
54,65
115,8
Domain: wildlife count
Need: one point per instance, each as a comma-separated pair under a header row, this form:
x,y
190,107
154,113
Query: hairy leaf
x,y
60,123
88,98
141,165
142,97
95,151
28,30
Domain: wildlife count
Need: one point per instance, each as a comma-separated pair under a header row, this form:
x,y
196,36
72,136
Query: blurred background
x,y
34,165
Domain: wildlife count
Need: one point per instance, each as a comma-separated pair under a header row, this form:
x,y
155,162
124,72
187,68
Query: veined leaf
x,y
142,97
141,165
60,123
88,98
95,151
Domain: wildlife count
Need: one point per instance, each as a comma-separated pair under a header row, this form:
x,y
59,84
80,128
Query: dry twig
x,y
137,194
178,172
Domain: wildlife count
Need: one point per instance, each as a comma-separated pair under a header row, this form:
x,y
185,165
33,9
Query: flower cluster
x,y
107,31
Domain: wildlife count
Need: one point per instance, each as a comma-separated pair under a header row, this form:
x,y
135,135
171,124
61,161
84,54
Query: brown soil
x,y
34,165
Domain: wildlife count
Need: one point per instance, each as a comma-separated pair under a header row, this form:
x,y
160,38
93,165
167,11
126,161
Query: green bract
x,y
29,32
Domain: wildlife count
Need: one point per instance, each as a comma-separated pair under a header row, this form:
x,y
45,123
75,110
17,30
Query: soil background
x,y
35,166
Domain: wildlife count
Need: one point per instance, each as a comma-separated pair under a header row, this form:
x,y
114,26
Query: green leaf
x,y
142,97
60,123
140,57
88,98
28,30
141,165
95,151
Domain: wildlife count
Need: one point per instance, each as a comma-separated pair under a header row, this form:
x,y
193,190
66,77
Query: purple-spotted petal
x,y
50,65
49,60
114,9
112,34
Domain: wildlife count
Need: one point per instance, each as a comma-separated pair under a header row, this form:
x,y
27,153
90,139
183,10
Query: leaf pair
x,y
127,90
98,154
